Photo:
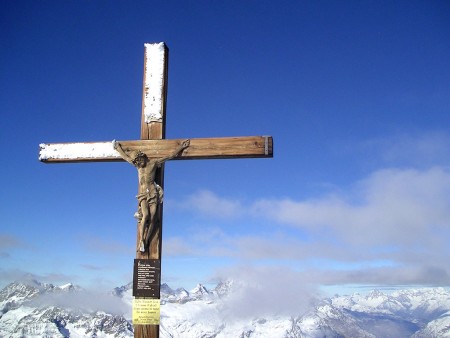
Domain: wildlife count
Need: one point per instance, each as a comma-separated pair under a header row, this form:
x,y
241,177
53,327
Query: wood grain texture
x,y
154,131
200,148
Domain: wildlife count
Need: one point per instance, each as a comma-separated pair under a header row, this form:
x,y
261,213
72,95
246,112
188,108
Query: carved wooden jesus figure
x,y
150,194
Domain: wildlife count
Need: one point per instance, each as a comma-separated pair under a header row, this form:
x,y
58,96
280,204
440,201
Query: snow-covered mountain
x,y
34,309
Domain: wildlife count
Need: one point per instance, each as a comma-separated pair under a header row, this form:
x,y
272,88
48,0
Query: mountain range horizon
x,y
232,309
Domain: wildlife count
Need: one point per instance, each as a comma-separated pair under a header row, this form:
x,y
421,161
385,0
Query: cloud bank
x,y
391,227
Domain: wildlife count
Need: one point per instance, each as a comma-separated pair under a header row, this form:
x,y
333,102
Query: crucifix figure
x,y
150,193
149,154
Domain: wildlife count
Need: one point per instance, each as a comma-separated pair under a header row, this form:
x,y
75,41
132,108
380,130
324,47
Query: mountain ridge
x,y
35,309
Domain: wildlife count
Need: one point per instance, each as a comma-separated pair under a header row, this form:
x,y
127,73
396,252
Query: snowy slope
x,y
26,310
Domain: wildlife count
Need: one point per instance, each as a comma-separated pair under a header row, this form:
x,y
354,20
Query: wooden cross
x,y
154,145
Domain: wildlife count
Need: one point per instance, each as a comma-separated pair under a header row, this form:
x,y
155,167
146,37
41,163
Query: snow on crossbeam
x,y
74,152
200,148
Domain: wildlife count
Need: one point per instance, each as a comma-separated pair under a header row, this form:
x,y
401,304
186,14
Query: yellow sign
x,y
146,311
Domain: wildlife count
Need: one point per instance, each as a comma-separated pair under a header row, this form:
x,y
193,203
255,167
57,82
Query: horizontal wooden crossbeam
x,y
199,148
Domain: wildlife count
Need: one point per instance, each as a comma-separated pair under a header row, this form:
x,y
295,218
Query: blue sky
x,y
354,93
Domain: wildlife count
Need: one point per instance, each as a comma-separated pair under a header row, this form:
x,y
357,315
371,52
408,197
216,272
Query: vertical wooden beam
x,y
153,127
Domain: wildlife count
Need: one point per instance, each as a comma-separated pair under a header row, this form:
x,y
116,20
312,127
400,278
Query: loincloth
x,y
151,197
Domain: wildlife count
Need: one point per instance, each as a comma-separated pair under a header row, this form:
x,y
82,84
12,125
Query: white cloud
x,y
104,245
391,227
417,274
208,203
177,246
420,149
84,300
390,207
9,241
266,290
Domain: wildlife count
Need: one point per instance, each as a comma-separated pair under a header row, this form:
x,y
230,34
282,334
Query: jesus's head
x,y
140,159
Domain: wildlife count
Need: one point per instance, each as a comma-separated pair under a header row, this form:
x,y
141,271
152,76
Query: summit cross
x,y
148,155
